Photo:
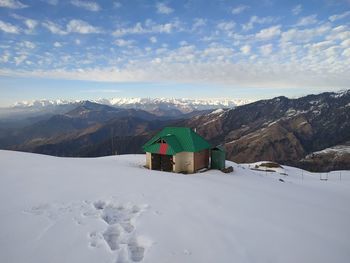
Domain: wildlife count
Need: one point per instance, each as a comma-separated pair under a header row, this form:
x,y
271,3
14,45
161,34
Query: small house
x,y
177,149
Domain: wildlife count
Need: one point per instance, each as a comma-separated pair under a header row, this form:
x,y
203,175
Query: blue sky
x,y
75,49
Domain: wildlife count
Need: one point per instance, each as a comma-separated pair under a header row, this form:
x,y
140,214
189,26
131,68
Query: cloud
x,y
258,20
226,26
91,6
5,57
305,35
9,28
239,9
20,59
57,44
153,40
124,43
147,28
101,91
266,50
268,33
54,28
307,20
339,16
73,26
31,25
297,10
245,49
13,4
162,8
27,44
198,22
81,27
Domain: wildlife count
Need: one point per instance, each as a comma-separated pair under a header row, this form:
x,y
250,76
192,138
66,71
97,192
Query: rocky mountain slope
x,y
281,129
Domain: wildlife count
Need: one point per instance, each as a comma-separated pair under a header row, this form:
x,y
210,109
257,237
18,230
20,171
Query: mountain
x,y
112,209
159,107
280,129
83,119
119,135
287,131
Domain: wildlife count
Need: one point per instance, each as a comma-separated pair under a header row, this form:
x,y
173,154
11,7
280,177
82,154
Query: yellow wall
x,y
184,162
148,161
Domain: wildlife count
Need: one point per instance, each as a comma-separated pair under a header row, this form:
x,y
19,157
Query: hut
x,y
177,149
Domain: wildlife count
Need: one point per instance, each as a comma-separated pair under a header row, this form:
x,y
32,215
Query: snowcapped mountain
x,y
112,209
148,104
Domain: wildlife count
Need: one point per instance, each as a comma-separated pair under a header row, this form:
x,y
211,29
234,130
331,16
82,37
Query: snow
x,y
217,111
111,209
339,150
183,104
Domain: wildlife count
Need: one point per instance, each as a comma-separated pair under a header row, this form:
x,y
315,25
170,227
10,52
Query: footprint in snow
x,y
119,234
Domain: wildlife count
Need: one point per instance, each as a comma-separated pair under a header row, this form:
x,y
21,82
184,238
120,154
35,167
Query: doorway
x,y
162,162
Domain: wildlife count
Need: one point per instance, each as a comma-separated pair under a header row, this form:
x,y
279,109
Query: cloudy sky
x,y
77,49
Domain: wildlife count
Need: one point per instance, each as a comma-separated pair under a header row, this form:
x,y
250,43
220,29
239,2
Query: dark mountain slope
x,y
281,129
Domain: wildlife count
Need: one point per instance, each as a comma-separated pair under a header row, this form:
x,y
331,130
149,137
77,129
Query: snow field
x,y
112,210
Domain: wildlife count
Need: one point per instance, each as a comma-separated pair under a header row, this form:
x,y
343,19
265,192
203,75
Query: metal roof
x,y
179,139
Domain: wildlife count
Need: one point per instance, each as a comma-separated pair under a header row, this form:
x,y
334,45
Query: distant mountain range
x,y
312,132
160,106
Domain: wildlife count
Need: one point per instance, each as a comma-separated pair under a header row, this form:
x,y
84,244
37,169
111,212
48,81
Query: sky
x,y
75,49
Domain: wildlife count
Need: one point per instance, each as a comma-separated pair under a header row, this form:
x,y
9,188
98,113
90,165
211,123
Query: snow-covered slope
x,y
113,210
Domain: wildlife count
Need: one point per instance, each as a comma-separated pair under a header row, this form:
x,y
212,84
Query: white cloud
x,y
20,59
149,27
27,44
153,39
226,26
258,20
8,28
77,41
81,27
339,16
57,44
245,49
162,8
266,50
198,22
239,9
124,43
88,5
13,4
54,28
305,35
268,33
345,43
73,26
30,23
5,57
297,10
183,43
346,52
307,20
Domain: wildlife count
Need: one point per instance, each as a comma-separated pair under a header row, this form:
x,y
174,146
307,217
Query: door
x,y
155,161
162,162
166,163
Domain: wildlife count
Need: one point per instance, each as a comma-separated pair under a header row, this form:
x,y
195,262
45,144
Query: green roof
x,y
178,139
